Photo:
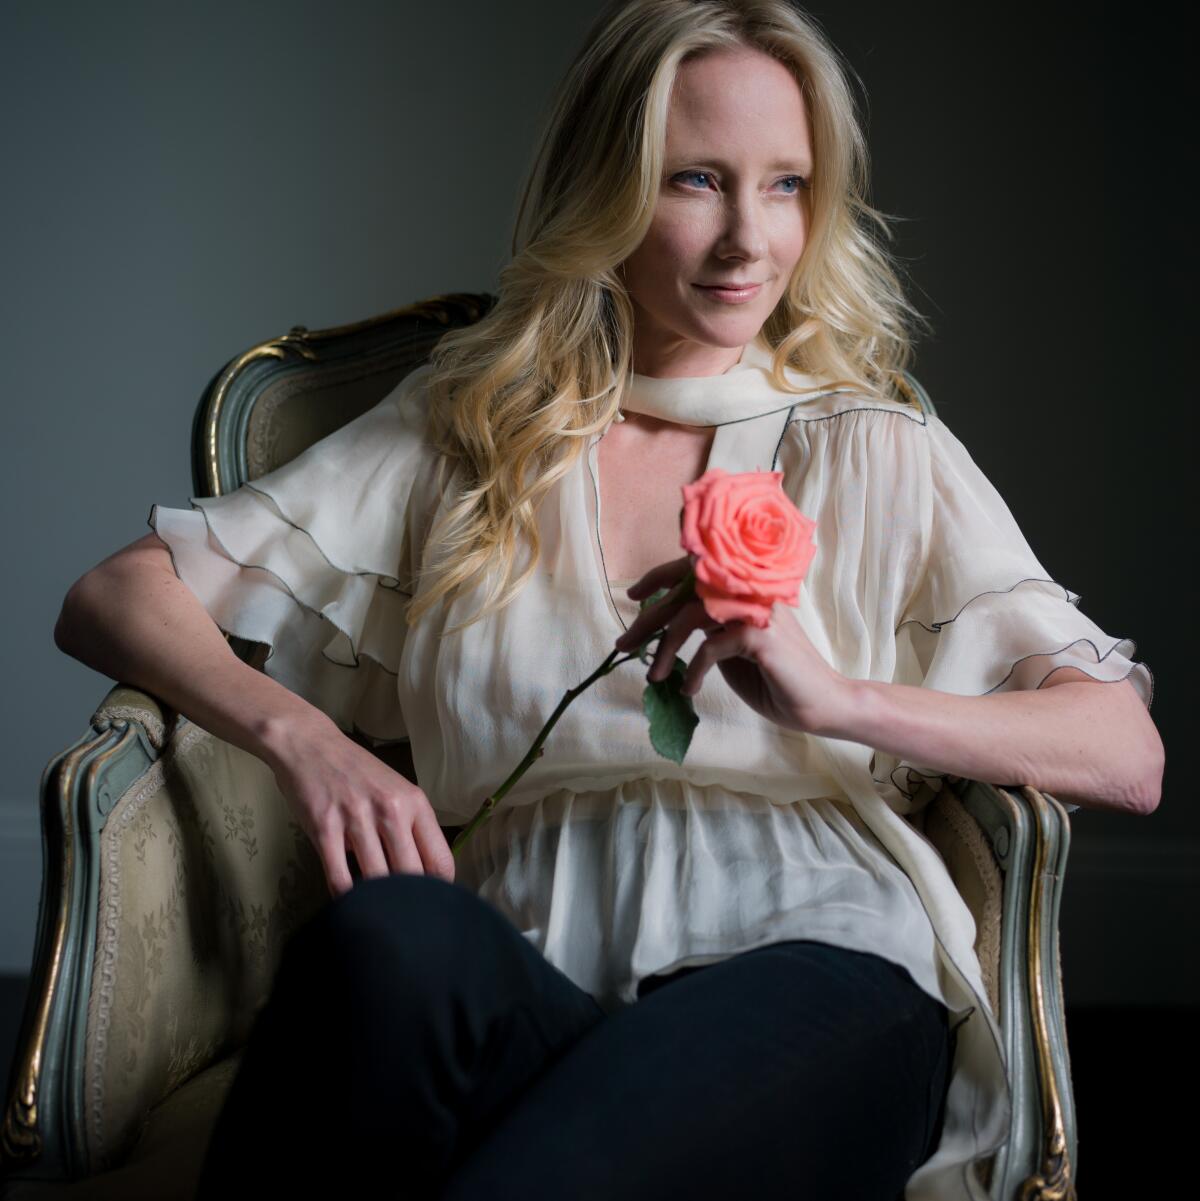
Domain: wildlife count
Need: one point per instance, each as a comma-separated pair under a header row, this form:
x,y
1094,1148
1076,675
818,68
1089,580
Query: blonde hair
x,y
514,396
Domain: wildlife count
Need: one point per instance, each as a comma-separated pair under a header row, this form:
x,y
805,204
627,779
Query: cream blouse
x,y
615,862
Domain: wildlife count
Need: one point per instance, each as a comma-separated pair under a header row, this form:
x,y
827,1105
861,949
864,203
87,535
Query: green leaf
x,y
673,720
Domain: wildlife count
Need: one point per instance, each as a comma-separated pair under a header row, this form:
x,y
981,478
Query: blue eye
x,y
799,180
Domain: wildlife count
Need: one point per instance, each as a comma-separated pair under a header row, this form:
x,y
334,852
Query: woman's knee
x,y
401,917
420,928
375,903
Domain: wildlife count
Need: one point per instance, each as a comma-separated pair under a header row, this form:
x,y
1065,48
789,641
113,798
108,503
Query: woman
x,y
745,972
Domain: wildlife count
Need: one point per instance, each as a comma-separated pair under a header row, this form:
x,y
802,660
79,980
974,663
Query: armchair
x,y
173,873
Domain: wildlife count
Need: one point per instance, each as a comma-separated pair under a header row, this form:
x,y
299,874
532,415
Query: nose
x,y
744,229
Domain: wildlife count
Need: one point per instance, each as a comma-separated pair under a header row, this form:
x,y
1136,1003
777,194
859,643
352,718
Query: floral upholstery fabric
x,y
165,1163
204,876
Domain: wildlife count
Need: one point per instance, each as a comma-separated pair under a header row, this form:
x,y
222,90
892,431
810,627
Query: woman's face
x,y
732,209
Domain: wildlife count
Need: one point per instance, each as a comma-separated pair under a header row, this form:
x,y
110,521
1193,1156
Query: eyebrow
x,y
779,164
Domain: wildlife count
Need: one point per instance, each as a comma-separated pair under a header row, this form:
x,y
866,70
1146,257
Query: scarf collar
x,y
742,392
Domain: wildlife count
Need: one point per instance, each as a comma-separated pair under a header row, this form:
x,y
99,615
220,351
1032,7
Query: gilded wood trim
x,y
1055,1180
277,348
20,1137
449,309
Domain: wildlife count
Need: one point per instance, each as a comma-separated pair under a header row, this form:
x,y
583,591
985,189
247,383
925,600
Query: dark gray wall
x,y
180,185
1035,152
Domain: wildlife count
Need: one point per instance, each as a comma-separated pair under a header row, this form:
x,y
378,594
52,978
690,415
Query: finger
x,y
367,848
678,631
643,627
653,617
331,845
397,838
663,575
435,851
724,644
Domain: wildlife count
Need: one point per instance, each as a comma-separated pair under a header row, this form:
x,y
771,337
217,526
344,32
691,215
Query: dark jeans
x,y
417,1045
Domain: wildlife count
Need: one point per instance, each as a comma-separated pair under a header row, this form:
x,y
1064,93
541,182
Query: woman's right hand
x,y
346,798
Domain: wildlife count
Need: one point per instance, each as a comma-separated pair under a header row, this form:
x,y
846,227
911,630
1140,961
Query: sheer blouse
x,y
615,862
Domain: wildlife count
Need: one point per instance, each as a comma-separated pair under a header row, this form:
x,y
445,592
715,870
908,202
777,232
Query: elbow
x,y
1146,801
60,632
1151,794
62,627
68,617
1148,793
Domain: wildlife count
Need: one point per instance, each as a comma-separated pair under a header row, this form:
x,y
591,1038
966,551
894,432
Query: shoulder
x,y
851,440
853,427
408,402
390,441
368,467
845,408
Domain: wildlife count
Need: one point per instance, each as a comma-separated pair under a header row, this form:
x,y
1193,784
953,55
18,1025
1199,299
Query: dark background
x,y
183,183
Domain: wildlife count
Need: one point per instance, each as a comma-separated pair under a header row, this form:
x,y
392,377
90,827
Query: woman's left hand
x,y
777,671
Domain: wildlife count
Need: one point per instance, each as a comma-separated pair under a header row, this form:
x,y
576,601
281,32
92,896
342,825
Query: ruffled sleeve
x,y
984,615
318,560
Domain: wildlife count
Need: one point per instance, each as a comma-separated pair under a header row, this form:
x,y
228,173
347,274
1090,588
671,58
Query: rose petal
x,y
752,547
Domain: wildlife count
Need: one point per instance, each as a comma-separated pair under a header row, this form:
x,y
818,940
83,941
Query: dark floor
x,y
1134,1075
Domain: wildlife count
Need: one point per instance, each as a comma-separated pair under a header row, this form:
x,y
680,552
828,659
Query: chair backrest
x,y
172,874
276,399
267,405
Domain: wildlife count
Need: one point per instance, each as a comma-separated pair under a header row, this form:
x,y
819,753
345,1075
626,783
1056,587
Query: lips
x,y
730,293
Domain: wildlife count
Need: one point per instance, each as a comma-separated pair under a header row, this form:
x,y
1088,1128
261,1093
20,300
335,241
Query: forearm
x,y
1075,741
145,627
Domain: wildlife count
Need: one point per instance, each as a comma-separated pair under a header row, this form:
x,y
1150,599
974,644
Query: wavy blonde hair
x,y
514,396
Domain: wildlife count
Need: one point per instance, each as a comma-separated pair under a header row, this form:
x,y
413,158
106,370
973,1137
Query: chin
x,y
730,334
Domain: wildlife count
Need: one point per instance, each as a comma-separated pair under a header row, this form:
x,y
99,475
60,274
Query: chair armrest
x,y
126,703
174,874
1006,850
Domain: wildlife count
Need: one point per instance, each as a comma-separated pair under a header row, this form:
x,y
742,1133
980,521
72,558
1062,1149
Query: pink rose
x,y
751,545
